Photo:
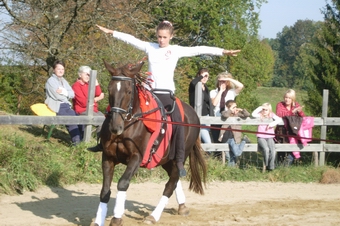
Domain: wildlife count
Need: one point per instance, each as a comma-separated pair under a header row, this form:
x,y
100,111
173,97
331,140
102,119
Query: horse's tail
x,y
198,168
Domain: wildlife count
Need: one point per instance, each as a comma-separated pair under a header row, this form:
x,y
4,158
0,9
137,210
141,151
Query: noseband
x,y
121,111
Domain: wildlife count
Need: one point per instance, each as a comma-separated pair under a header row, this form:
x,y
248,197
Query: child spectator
x,y
266,134
232,136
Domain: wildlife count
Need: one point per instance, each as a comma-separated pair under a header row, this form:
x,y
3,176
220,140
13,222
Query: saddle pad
x,y
151,160
42,110
147,103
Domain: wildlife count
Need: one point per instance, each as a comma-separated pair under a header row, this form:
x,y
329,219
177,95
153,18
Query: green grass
x,y
28,160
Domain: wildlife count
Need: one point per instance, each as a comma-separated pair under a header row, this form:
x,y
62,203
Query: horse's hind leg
x,y
170,186
108,169
180,197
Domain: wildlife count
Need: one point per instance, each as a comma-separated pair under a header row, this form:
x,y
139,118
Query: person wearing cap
x,y
80,88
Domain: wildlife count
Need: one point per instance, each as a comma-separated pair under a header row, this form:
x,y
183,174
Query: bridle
x,y
121,111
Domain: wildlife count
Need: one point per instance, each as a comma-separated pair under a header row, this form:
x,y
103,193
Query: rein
x,y
128,112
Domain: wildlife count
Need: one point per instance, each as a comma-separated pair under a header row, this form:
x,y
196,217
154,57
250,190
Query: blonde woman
x,y
265,134
287,107
227,89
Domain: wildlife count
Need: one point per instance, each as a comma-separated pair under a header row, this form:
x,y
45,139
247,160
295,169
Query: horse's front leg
x,y
108,170
122,186
170,186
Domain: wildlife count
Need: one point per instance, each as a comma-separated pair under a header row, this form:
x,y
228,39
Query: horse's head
x,y
122,91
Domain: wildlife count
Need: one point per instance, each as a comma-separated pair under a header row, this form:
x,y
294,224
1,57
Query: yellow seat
x,y
43,110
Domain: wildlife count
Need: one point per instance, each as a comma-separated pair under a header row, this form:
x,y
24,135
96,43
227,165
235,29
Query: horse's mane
x,y
132,70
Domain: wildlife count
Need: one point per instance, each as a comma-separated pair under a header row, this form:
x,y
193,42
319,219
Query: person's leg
x,y
99,146
272,153
177,132
205,135
236,149
73,130
263,146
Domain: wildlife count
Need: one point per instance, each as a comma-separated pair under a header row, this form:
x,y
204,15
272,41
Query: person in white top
x,y
266,134
162,58
227,88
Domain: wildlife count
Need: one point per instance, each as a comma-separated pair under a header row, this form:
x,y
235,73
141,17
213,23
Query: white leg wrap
x,y
101,214
160,207
180,193
119,209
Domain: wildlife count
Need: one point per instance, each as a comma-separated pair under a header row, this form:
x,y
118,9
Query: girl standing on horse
x,y
163,59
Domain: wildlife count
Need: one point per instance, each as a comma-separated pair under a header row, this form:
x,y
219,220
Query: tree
x,y
290,42
324,61
41,31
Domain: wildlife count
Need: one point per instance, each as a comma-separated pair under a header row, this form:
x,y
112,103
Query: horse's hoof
x,y
116,222
149,220
183,210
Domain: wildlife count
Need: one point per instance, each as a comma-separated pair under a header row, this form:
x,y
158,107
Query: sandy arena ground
x,y
225,203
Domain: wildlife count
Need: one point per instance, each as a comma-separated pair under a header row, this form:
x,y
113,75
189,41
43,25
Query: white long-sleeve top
x,y
266,131
163,61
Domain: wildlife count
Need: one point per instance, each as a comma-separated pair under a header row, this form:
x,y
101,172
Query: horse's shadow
x,y
80,208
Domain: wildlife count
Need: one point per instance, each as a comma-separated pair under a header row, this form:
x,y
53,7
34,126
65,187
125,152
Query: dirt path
x,y
225,203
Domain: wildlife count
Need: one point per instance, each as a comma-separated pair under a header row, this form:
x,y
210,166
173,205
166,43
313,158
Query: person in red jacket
x,y
287,107
80,88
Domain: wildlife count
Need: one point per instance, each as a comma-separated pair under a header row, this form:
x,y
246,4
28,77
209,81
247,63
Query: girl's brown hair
x,y
201,71
165,25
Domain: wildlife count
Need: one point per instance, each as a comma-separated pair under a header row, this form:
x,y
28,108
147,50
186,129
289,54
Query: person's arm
x,y
226,114
51,88
231,52
69,89
243,113
192,88
185,51
196,80
298,110
127,38
277,120
257,112
239,85
98,98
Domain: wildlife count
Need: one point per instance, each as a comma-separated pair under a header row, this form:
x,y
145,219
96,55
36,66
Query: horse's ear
x,y
135,69
112,70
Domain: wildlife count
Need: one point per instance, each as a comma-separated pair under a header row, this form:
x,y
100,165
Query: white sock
x,y
160,207
119,209
101,214
179,193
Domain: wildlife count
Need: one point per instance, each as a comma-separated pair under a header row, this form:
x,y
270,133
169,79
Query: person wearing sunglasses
x,y
207,107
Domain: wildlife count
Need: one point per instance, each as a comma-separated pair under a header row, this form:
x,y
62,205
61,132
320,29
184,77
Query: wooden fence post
x,y
90,102
323,127
198,98
198,109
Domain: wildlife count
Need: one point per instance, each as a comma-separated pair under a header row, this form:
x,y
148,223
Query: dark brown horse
x,y
125,137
